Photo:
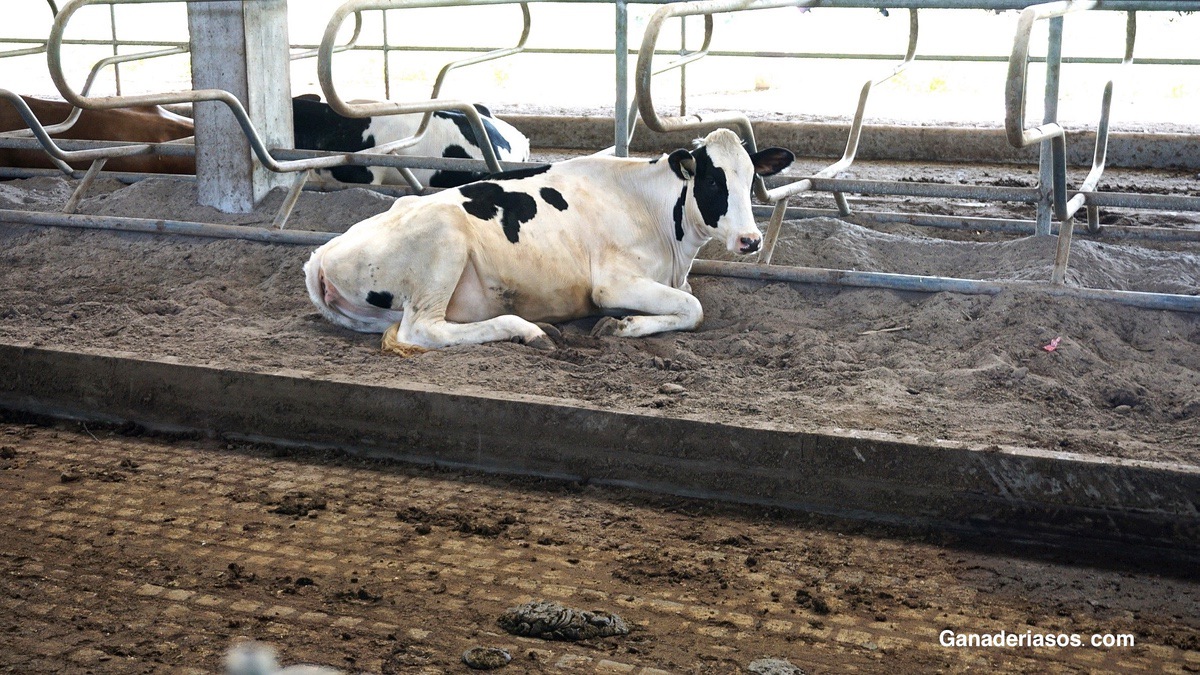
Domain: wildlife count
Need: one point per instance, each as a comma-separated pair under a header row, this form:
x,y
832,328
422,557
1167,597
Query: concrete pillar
x,y
241,47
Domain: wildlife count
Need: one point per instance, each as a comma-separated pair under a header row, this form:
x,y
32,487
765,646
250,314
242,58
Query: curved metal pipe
x,y
441,78
154,226
779,196
682,61
352,43
1018,66
325,73
59,156
487,56
54,59
76,111
28,51
645,70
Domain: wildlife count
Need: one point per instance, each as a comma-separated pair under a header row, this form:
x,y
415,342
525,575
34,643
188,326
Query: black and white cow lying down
x,y
318,127
588,236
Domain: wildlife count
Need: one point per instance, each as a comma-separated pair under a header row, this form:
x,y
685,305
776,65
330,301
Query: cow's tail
x,y
336,307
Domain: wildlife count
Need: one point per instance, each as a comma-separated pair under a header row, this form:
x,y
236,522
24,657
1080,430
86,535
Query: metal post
x,y
112,26
621,103
240,47
683,68
1046,162
387,71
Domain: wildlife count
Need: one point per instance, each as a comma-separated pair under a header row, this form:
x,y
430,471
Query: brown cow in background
x,y
142,124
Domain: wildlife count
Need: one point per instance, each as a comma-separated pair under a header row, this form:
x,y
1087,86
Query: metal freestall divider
x,y
1050,196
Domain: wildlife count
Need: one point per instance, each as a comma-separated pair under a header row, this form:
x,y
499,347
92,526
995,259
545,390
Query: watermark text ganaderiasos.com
x,y
950,638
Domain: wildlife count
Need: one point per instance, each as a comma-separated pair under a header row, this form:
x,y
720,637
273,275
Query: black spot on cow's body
x,y
464,127
449,179
318,127
482,110
517,174
677,212
486,199
710,189
553,198
352,174
655,160
381,299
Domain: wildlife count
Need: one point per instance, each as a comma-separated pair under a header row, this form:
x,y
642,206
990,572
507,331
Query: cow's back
x,y
538,243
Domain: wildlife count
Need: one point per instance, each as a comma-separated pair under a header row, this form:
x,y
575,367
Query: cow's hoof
x,y
551,332
404,350
541,342
606,326
391,345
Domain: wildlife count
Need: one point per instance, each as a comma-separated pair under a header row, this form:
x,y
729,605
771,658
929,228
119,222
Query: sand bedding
x,y
1123,382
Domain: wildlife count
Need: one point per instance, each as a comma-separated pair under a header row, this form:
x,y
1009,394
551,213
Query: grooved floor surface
x,y
137,554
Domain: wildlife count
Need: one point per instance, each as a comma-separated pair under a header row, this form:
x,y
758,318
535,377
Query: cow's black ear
x,y
771,161
308,97
482,110
683,164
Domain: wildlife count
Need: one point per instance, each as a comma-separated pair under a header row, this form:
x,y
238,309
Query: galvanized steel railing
x,y
1051,195
328,86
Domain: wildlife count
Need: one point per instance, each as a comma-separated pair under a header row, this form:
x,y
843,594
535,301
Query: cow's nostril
x,y
750,244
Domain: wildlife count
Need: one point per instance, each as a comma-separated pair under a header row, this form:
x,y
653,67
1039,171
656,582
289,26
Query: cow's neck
x,y
657,185
695,235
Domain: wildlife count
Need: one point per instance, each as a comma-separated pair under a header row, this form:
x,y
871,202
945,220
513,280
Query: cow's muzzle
x,y
749,244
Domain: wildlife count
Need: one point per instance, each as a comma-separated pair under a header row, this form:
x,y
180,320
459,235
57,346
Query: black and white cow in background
x,y
588,236
318,127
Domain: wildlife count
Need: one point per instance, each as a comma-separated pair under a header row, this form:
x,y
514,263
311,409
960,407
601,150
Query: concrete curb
x,y
1031,495
886,143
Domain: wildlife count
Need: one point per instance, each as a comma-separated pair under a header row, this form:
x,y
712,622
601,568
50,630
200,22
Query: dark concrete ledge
x,y
1022,494
884,143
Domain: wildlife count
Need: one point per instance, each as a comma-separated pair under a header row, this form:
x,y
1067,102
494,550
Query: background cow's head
x,y
721,173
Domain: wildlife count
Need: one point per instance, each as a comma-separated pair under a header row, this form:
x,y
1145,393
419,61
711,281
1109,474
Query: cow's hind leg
x,y
418,333
424,325
662,308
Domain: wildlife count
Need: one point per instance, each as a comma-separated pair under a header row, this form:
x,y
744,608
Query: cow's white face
x,y
721,174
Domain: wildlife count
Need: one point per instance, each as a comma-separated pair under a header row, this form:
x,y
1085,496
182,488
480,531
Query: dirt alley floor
x,y
127,553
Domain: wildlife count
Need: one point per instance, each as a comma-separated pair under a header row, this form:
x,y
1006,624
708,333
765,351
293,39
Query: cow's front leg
x,y
660,308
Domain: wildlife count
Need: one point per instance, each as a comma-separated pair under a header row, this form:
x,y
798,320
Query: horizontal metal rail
x,y
59,156
1015,226
69,150
310,51
167,226
931,284
809,275
1175,203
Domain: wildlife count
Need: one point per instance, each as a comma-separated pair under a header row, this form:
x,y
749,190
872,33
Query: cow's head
x,y
719,173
